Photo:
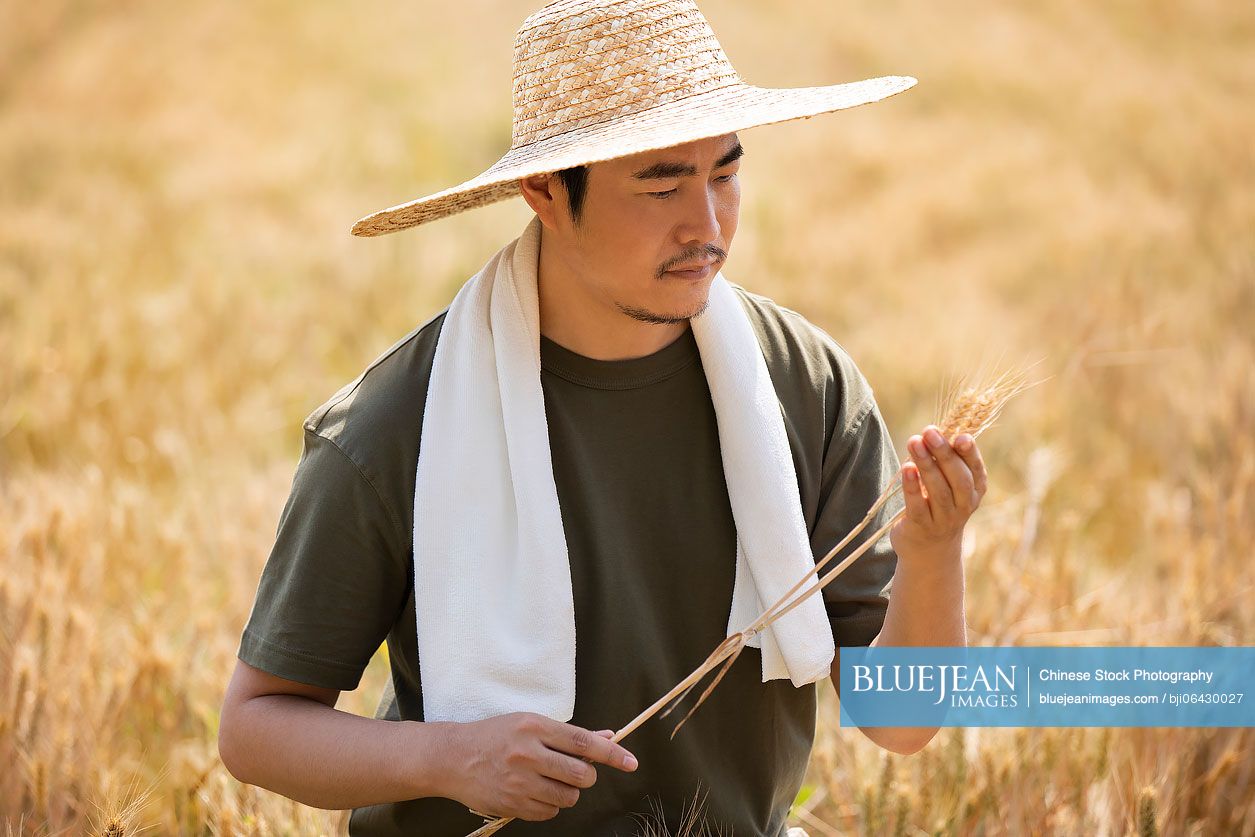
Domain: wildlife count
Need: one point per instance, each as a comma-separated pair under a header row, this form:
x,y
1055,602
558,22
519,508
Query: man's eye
x,y
661,195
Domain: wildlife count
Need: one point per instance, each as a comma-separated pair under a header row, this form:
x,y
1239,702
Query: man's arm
x,y
288,737
926,608
927,605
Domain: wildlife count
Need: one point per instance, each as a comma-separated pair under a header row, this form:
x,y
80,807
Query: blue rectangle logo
x,y
1177,686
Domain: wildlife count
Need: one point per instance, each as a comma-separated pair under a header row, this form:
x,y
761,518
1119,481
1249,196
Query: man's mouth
x,y
698,271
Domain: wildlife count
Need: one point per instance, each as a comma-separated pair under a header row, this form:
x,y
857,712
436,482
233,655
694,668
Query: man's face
x,y
650,214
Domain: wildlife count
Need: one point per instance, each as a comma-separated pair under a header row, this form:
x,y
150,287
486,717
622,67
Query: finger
x,y
539,811
549,792
916,503
566,769
568,738
952,466
606,733
966,446
940,500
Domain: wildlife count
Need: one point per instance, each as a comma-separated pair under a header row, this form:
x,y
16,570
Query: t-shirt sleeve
x,y
859,463
335,579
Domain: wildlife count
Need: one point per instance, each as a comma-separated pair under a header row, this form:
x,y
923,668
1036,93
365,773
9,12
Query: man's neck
x,y
592,325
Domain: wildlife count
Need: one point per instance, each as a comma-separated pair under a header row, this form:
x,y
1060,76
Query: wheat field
x,y
178,289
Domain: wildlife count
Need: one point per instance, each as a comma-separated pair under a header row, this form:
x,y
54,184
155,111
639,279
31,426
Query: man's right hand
x,y
527,765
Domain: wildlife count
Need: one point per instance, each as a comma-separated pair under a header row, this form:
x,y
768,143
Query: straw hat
x,y
596,80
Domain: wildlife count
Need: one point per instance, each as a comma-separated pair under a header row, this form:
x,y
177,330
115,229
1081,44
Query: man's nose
x,y
701,220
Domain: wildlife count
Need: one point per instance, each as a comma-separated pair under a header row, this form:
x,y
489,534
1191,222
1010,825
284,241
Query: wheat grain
x,y
1147,820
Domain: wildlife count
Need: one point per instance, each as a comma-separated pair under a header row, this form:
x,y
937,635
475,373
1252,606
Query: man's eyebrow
x,y
734,154
659,171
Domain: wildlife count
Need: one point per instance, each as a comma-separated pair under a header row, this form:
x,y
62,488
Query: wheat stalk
x,y
968,408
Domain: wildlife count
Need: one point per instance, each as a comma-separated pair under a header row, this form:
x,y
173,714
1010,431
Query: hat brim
x,y
702,115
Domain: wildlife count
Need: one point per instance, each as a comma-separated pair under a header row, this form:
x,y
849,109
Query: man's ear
x,y
546,196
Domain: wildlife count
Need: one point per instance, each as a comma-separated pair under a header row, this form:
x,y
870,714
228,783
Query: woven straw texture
x,y
594,81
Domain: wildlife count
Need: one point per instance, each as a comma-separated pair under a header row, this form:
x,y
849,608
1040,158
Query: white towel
x,y
492,578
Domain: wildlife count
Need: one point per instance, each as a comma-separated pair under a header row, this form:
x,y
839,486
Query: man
x,y
630,246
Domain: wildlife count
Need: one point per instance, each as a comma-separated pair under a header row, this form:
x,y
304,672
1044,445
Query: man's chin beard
x,y
646,316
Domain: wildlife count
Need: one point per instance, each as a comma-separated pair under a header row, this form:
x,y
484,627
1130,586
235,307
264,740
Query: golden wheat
x,y
159,275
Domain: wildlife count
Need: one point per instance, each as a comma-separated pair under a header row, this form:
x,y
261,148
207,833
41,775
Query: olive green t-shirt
x,y
651,542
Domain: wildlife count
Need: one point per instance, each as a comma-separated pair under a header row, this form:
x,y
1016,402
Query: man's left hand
x,y
944,485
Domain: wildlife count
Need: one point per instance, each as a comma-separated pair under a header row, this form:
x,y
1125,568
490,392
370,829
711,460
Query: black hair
x,y
576,182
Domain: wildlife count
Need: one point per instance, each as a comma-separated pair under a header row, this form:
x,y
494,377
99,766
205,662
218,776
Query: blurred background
x,y
178,289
